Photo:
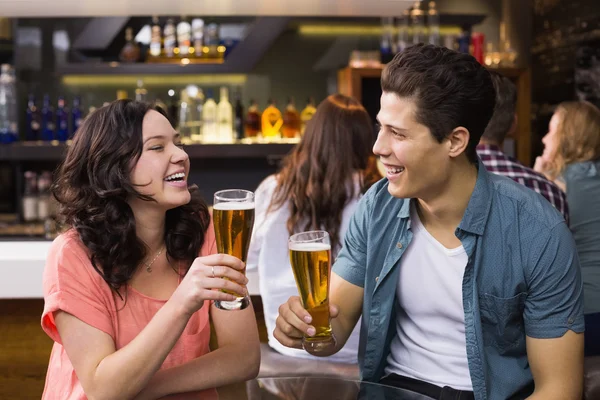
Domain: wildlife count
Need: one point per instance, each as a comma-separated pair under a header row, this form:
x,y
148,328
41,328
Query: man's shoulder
x,y
526,203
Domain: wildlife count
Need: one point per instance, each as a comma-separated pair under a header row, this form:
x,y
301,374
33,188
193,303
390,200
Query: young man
x,y
503,123
468,283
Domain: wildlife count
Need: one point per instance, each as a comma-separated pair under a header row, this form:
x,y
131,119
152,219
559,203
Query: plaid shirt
x,y
499,163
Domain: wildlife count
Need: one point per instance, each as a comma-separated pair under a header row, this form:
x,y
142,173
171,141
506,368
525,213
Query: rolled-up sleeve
x,y
554,302
351,262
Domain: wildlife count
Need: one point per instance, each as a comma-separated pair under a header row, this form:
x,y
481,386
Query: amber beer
x,y
233,218
311,264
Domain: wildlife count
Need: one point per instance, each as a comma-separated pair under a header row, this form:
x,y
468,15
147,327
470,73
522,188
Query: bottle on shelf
x,y
173,109
184,37
29,201
418,23
131,51
291,121
252,125
403,31
198,36
225,114
307,114
44,182
62,121
272,122
238,121
433,22
155,38
387,46
170,40
8,105
141,93
185,117
76,116
33,120
210,133
48,126
212,39
198,100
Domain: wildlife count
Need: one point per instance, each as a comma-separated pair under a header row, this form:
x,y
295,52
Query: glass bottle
x,y
141,93
291,121
252,125
271,122
433,22
184,37
76,116
209,119
33,120
156,38
307,114
8,105
170,40
47,120
198,36
29,201
418,23
62,120
403,31
131,51
225,114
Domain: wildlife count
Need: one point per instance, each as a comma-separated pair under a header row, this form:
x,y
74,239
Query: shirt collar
x,y
488,148
478,209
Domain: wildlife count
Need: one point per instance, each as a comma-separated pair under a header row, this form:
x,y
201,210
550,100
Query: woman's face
x,y
550,140
163,167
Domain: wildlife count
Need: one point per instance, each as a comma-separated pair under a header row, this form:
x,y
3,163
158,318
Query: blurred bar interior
x,y
239,79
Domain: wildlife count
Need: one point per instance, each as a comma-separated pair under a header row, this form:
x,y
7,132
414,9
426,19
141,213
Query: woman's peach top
x,y
71,284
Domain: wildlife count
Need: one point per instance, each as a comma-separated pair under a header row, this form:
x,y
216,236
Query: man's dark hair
x,y
504,113
450,89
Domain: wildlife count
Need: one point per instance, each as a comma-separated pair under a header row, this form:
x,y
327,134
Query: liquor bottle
x,y
433,22
238,122
418,23
209,119
8,105
212,39
62,120
76,116
44,183
198,36
185,116
225,113
155,39
141,94
33,120
47,120
170,40
29,201
387,47
271,122
197,116
253,121
131,51
184,37
403,31
291,121
307,114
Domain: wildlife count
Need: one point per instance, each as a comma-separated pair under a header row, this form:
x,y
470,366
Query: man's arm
x,y
554,318
557,366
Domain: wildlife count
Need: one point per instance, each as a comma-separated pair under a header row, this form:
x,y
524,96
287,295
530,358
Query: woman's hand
x,y
205,279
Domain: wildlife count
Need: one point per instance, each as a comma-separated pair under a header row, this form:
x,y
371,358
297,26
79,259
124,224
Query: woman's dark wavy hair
x,y
93,186
317,177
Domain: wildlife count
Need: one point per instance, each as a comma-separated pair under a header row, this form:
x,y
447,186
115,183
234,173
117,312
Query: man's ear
x,y
458,141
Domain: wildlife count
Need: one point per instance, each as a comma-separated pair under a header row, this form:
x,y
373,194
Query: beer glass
x,y
310,256
233,218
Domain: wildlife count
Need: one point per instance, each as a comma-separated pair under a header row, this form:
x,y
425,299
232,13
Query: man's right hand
x,y
294,321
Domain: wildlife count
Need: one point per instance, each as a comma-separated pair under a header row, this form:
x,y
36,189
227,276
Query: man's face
x,y
416,164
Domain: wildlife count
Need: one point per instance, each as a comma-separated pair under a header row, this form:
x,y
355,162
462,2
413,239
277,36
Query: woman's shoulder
x,y
69,243
268,184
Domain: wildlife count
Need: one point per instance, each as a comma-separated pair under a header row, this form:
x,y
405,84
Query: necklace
x,y
149,265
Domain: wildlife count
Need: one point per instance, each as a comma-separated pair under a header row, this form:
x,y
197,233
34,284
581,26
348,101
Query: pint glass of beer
x,y
233,217
310,256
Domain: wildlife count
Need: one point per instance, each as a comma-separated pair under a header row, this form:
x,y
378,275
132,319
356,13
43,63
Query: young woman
x,y
128,288
318,188
572,159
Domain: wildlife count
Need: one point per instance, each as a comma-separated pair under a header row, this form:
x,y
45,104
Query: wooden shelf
x,y
55,152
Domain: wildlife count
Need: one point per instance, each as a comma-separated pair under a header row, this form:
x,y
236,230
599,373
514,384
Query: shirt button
x,y
570,321
376,278
399,245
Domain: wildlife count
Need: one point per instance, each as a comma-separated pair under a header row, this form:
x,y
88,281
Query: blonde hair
x,y
578,135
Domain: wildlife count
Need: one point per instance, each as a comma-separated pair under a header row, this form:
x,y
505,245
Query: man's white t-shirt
x,y
430,342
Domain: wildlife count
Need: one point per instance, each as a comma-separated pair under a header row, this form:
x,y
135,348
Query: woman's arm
x,y
236,359
107,373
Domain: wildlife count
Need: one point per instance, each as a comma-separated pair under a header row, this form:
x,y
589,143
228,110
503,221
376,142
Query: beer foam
x,y
246,205
309,246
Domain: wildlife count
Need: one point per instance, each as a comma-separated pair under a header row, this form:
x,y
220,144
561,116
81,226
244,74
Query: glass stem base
x,y
239,303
